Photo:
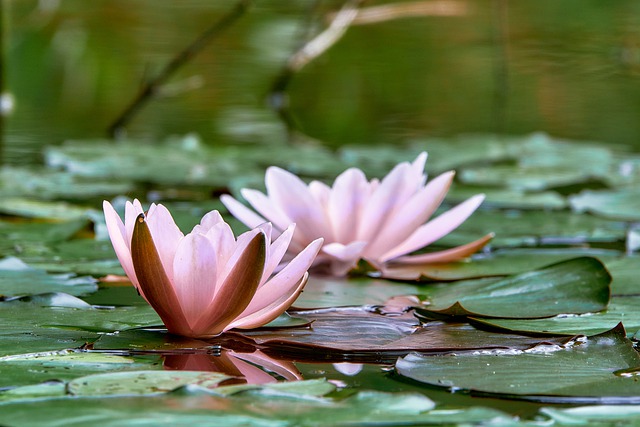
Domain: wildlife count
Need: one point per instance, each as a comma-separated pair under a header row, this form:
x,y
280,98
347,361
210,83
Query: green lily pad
x,y
501,262
338,292
596,415
270,405
30,208
581,371
620,204
533,228
509,198
620,309
28,369
141,382
579,285
17,278
48,184
625,273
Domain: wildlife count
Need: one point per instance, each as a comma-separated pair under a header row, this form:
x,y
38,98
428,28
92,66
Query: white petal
x,y
436,228
267,208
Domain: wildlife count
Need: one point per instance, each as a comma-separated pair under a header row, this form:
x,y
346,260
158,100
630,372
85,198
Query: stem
x,y
152,86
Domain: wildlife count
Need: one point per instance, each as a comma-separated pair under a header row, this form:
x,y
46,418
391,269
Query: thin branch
x,y
151,88
308,52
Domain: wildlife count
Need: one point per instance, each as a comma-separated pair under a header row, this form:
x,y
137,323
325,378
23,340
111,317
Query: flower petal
x,y
223,242
436,228
294,199
349,194
283,285
121,246
270,312
154,282
241,212
195,269
393,191
237,290
276,252
448,255
413,214
168,236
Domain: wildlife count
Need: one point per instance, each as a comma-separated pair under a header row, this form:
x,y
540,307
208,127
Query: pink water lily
x,y
382,222
207,281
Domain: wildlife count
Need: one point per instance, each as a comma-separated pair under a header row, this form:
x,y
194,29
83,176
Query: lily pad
x,y
534,228
579,285
583,371
17,278
338,292
270,405
596,415
26,369
620,204
620,309
501,262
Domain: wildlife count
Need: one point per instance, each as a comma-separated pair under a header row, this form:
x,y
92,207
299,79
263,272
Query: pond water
x,y
525,76
443,68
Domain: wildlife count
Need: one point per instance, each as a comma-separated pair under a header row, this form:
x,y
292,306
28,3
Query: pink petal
x,y
154,282
264,315
237,290
350,192
223,243
320,191
436,228
131,212
195,270
166,234
392,192
417,167
267,208
413,214
283,285
448,255
293,197
117,234
349,252
241,212
276,252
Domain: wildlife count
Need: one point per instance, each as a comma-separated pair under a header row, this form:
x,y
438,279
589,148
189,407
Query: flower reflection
x,y
249,368
382,222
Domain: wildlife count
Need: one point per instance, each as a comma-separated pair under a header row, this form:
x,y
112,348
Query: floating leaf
x,y
64,365
17,278
579,285
582,371
498,263
620,204
338,292
620,309
269,406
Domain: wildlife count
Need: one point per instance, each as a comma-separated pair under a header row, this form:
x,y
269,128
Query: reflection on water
x,y
250,368
566,67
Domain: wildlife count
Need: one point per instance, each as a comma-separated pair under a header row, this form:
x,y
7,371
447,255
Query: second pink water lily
x,y
207,281
382,222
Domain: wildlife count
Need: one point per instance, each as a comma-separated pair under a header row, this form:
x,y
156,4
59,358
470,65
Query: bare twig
x,y
307,53
153,85
409,9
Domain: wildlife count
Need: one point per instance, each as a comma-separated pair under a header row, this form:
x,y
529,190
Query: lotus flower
x,y
207,282
381,222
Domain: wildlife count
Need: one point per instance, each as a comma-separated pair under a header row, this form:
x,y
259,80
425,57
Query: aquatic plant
x,y
207,281
381,222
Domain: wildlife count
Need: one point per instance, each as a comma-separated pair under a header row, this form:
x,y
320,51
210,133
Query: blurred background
x,y
398,70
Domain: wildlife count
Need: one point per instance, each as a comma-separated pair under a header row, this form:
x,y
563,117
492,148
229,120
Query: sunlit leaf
x,y
620,204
